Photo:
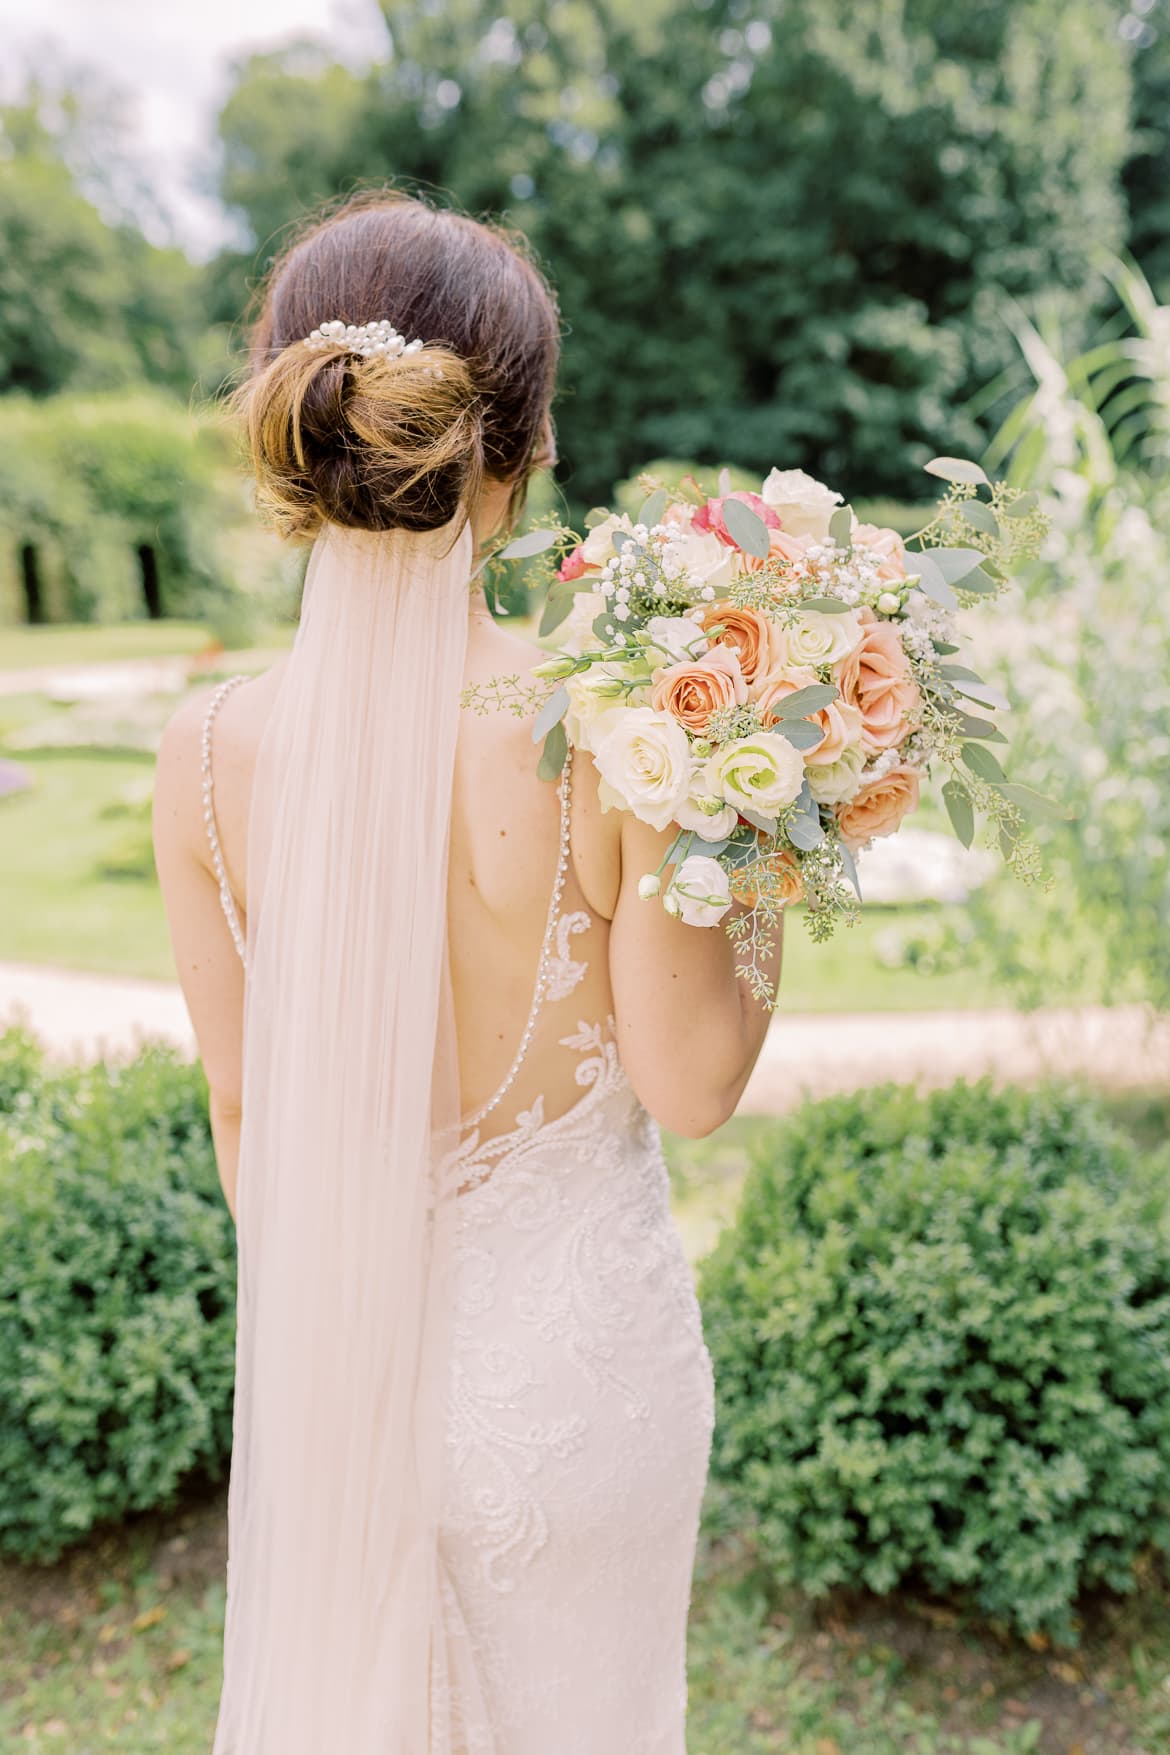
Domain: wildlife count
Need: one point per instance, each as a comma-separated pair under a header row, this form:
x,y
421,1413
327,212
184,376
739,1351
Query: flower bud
x,y
889,603
608,688
672,904
553,669
649,886
710,807
702,746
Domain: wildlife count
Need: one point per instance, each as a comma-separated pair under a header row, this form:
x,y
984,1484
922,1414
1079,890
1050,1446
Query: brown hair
x,y
399,443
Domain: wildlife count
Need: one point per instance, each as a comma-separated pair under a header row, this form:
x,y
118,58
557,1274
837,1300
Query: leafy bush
x,y
941,1336
117,1293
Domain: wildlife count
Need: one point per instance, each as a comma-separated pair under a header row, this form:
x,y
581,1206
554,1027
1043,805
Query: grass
x,y
23,648
118,1648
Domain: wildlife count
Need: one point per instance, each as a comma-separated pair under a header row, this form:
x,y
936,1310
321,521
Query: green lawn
x,y
23,648
118,1648
75,892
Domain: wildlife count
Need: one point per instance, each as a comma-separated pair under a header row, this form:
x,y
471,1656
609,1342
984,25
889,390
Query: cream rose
x,y
702,890
879,807
803,504
760,774
707,562
674,638
816,638
596,703
692,692
644,761
839,723
833,782
876,677
597,547
576,631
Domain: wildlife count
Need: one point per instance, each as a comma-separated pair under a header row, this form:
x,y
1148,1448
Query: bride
x,y
473,1403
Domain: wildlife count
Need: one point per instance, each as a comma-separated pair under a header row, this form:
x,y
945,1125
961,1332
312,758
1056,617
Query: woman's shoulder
x,y
234,711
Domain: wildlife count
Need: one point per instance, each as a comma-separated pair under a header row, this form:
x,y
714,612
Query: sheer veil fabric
x,y
350,1102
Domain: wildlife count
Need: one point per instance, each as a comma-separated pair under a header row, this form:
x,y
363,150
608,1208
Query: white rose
x,y
702,557
597,547
834,782
596,703
576,631
760,774
644,760
803,504
816,638
702,890
709,827
674,638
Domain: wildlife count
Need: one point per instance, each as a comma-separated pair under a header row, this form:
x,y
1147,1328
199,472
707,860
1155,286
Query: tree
x,y
783,235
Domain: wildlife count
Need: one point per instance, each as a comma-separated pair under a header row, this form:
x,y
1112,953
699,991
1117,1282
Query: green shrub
x,y
117,1294
941,1336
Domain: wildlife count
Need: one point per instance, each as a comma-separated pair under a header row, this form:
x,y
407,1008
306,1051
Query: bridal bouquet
x,y
772,679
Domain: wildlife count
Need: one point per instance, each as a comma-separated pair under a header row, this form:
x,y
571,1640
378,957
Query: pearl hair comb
x,y
367,339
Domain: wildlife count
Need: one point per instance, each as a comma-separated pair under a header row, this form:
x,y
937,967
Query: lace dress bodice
x,y
580,1400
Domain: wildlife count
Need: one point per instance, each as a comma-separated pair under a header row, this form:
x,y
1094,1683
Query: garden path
x,y
1118,1047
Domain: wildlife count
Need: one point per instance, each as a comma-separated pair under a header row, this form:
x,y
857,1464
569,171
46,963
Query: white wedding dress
x,y
580,1405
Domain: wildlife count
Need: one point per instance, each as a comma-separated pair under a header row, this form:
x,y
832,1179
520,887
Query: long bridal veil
x,y
350,1095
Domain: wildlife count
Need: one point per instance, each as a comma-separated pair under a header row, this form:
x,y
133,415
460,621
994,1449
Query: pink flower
x,y
710,516
574,564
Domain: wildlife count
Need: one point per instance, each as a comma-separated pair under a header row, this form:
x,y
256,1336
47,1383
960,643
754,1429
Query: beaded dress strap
x,y
547,946
226,899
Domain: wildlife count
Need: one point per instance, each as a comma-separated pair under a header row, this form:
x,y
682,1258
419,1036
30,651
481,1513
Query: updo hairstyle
x,y
399,443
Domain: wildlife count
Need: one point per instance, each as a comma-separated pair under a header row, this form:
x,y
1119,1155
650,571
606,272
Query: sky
x,y
171,59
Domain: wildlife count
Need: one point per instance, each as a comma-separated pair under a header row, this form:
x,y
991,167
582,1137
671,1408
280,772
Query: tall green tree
x,y
86,301
782,232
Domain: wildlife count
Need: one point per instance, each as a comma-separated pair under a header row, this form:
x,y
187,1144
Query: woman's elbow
x,y
693,1113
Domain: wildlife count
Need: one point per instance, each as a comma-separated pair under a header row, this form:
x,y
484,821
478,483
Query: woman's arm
x,y
689,1029
209,968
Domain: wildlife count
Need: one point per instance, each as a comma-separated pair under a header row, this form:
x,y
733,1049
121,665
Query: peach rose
x,y
876,678
753,635
781,547
878,809
886,547
710,516
839,722
690,693
789,886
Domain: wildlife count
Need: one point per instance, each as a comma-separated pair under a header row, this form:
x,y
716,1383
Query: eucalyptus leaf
x,y
652,508
960,810
620,539
1045,810
554,754
533,542
603,625
801,702
826,605
800,733
984,695
959,673
556,610
954,563
841,527
804,826
1021,507
980,516
766,825
551,713
959,469
983,763
978,582
942,648
713,849
931,580
849,867
597,516
746,529
739,853
972,727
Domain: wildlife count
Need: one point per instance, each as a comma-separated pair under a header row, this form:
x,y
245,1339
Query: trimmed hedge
x,y
941,1336
117,1294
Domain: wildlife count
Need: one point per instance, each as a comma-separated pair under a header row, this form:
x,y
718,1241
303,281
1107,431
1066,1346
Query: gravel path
x,y
1122,1047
